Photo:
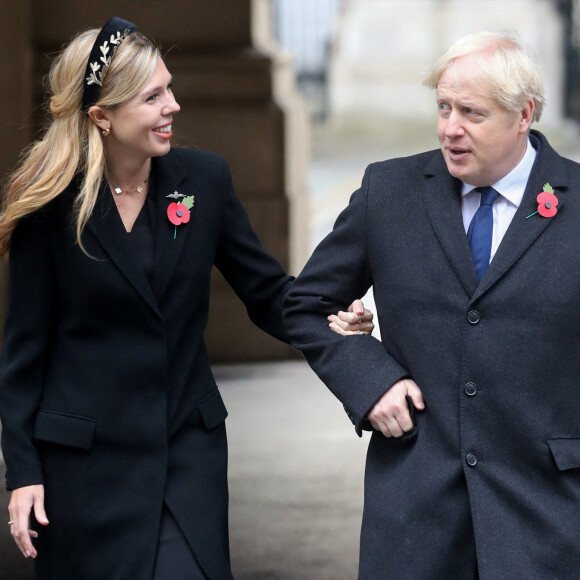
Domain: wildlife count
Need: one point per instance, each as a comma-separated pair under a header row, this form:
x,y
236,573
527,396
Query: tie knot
x,y
488,195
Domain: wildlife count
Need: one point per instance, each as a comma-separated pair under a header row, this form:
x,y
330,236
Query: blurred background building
x,y
350,55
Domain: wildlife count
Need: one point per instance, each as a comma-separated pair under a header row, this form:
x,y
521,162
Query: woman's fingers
x,y
357,320
23,501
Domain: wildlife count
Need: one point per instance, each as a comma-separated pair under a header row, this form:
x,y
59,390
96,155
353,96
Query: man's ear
x,y
99,117
527,116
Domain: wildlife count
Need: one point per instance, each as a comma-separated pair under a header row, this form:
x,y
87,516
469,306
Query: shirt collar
x,y
513,185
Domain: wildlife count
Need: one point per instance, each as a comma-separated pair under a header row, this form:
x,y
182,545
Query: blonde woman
x,y
113,427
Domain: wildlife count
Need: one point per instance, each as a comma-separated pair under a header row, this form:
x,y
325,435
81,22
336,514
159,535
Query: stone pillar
x,y
238,99
16,98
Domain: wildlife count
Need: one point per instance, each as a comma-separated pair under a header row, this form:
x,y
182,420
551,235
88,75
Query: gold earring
x,y
106,132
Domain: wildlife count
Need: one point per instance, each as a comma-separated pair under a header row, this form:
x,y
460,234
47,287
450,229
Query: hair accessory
x,y
106,132
108,40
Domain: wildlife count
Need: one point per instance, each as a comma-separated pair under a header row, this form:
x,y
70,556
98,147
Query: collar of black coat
x,y
106,226
441,197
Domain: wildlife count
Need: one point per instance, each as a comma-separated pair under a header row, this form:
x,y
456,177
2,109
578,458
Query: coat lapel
x,y
522,232
170,241
442,201
107,227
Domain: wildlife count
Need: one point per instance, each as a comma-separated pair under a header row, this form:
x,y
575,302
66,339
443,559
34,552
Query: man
x,y
474,393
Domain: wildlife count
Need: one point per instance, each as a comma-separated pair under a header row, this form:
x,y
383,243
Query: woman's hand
x,y
22,501
357,320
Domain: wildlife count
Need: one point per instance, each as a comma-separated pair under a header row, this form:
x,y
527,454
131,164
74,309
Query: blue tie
x,y
481,229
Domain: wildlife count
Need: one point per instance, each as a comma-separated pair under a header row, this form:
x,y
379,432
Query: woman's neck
x,y
127,175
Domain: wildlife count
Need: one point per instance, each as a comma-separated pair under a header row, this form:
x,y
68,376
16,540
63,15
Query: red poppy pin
x,y
178,211
547,202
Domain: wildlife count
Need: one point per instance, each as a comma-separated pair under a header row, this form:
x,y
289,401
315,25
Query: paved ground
x,y
296,474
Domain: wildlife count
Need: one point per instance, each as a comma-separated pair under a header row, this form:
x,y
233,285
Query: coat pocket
x,y
213,411
566,453
64,429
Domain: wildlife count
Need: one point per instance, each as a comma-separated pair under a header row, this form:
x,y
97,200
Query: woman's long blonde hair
x,y
72,144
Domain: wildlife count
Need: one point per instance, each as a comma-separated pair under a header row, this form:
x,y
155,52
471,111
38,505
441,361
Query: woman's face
x,y
141,127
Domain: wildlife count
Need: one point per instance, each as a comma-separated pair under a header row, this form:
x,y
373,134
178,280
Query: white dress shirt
x,y
511,189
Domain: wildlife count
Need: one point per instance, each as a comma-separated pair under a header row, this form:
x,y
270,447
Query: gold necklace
x,y
119,190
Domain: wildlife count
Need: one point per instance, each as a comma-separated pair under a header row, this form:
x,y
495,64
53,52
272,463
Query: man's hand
x,y
357,320
22,502
390,415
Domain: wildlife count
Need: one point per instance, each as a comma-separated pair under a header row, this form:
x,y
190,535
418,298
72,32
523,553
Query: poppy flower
x,y
547,203
178,213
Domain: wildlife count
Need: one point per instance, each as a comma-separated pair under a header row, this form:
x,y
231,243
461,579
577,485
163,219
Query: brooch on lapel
x,y
547,202
178,211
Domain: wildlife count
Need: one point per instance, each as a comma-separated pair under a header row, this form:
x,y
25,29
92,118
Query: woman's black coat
x,y
106,392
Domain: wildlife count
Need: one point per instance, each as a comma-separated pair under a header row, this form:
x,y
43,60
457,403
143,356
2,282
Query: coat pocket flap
x,y
566,453
71,430
213,411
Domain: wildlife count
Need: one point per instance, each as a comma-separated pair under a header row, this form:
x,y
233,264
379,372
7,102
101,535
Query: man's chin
x,y
457,170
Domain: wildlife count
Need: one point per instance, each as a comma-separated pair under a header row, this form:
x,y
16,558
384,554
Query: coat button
x,y
471,460
473,317
470,389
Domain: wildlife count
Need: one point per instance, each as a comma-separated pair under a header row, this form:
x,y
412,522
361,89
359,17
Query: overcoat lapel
x,y
107,226
442,201
170,241
522,232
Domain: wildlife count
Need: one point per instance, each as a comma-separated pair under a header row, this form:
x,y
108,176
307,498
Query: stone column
x,y
238,99
16,98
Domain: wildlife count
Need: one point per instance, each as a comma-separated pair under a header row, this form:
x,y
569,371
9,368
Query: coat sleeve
x,y
27,341
256,277
357,369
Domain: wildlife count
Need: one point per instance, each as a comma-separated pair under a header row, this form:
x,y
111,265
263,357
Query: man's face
x,y
481,141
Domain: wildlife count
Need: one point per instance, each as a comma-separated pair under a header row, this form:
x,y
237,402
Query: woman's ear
x,y
99,117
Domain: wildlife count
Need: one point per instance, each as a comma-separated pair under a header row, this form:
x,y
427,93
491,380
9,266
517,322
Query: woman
x,y
111,418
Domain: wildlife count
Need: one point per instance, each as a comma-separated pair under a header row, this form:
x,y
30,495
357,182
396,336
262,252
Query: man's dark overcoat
x,y
493,468
106,392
